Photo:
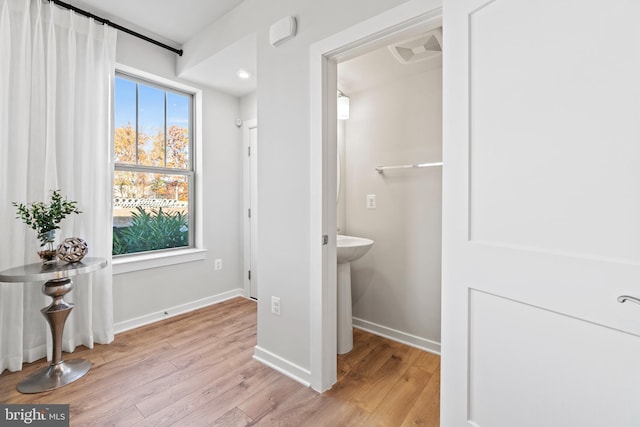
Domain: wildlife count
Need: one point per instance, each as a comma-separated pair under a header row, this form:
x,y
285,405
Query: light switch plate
x,y
371,201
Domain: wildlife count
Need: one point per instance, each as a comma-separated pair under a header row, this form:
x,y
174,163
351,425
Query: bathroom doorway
x,y
389,145
400,23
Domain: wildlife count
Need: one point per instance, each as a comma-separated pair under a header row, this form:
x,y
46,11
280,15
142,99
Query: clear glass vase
x,y
49,252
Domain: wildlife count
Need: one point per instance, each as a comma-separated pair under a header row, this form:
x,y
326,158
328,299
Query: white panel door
x,y
253,219
251,208
541,224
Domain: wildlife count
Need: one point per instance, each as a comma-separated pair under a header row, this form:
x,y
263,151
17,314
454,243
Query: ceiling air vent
x,y
416,50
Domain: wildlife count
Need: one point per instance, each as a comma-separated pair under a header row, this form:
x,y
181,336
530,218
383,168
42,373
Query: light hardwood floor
x,y
196,370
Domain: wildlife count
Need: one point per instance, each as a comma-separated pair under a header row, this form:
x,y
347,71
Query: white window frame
x,y
146,260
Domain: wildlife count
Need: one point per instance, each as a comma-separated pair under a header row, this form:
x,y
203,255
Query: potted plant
x,y
44,218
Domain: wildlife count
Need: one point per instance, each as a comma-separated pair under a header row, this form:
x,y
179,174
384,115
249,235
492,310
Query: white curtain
x,y
56,77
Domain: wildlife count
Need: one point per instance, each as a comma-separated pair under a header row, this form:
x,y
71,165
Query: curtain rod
x,y
116,26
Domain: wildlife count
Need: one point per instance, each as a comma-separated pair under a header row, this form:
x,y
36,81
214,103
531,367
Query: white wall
x,y
146,294
396,286
249,106
341,200
283,163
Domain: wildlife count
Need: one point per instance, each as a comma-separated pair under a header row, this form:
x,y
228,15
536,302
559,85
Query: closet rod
x,y
116,26
381,169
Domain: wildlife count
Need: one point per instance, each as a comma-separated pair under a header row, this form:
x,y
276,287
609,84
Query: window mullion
x,y
150,169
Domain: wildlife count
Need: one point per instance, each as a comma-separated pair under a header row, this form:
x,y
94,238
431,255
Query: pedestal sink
x,y
349,249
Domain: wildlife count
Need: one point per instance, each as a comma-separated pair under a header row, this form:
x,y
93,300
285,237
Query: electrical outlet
x,y
217,264
275,306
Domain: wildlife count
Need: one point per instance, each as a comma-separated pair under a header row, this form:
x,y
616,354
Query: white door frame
x,y
400,22
250,196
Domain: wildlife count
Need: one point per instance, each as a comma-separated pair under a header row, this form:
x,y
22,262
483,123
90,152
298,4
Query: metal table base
x,y
54,376
59,372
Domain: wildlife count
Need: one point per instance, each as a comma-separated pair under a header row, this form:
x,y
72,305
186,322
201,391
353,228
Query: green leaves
x,y
44,218
151,231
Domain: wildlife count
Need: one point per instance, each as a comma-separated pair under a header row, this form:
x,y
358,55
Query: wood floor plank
x,y
426,410
335,412
114,416
295,408
307,408
115,378
232,418
169,383
182,394
221,347
401,398
268,399
429,362
386,379
365,343
215,406
372,378
197,369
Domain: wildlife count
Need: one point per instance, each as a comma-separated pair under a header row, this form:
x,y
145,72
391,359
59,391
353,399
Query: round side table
x,y
58,284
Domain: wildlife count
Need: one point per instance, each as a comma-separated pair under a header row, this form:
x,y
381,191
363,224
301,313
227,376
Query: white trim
x,y
399,336
283,366
149,260
323,291
396,22
156,78
175,311
198,168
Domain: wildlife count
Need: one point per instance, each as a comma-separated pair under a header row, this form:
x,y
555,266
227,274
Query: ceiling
x,y
219,71
176,22
380,66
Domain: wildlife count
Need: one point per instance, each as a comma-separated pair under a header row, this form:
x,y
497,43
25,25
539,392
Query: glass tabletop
x,y
57,270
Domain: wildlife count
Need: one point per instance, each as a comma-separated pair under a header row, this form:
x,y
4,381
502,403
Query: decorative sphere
x,y
72,249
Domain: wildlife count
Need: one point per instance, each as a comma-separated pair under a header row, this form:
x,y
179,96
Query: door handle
x,y
625,298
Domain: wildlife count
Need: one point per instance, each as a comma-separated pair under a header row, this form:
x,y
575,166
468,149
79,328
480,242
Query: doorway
x,y
390,190
400,23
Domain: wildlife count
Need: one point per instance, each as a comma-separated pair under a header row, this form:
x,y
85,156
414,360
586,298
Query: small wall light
x,y
343,106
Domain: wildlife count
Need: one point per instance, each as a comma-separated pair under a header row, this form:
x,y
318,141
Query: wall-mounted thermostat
x,y
282,31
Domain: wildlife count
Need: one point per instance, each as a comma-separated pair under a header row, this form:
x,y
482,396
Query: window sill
x,y
154,260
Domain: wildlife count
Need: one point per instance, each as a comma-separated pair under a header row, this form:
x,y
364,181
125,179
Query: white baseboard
x,y
175,311
402,337
291,370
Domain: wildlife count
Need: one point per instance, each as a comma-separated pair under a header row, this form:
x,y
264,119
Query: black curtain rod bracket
x,y
116,26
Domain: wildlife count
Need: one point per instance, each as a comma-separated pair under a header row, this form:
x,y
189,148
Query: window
x,y
153,167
